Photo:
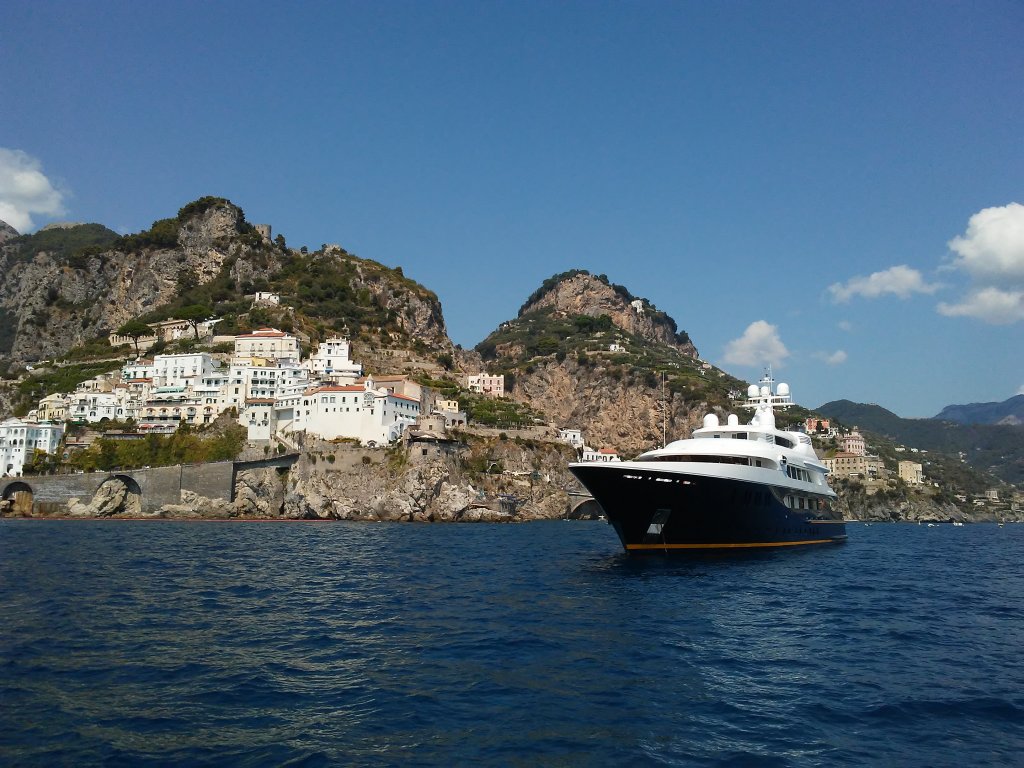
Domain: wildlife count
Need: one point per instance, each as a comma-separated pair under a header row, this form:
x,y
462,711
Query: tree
x,y
195,314
135,329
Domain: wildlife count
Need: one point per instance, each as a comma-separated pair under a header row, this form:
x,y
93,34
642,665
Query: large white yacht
x,y
729,486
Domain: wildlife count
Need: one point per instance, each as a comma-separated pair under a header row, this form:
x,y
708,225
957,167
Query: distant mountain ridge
x,y
998,448
1009,412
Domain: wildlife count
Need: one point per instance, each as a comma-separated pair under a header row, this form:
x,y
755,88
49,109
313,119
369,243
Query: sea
x,y
152,643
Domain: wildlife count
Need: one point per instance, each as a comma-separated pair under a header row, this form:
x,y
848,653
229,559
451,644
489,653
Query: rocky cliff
x,y
71,285
7,232
479,480
579,293
59,300
591,356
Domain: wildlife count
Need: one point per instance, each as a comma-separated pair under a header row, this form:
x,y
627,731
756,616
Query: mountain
x,y
70,286
1009,412
591,356
7,232
998,449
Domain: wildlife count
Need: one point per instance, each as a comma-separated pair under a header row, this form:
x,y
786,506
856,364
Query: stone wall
x,y
157,487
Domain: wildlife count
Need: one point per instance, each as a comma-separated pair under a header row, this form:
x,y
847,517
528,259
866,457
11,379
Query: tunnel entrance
x,y
19,498
118,495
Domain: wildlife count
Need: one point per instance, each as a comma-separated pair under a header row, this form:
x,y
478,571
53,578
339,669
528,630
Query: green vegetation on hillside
x,y
332,287
542,338
63,379
552,282
498,412
62,243
161,450
995,448
484,410
322,294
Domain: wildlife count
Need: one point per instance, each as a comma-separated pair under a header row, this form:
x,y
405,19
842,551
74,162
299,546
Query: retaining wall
x,y
157,486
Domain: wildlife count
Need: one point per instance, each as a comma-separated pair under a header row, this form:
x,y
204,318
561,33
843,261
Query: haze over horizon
x,y
835,191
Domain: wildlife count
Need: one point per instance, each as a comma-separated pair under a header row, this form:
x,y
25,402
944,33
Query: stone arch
x,y
588,509
118,495
18,499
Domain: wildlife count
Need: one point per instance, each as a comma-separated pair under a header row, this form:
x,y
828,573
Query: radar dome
x,y
710,420
765,391
783,390
752,390
734,420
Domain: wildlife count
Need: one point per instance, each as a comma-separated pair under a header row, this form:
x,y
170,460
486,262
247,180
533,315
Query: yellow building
x,y
845,465
911,473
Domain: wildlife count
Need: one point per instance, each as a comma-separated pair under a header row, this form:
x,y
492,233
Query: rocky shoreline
x,y
484,480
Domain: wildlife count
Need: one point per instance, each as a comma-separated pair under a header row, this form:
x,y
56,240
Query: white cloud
x,y
759,345
992,249
835,358
991,252
25,190
992,305
901,281
845,325
1021,390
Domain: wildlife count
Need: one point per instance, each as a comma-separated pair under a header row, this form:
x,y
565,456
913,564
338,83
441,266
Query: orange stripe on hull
x,y
743,545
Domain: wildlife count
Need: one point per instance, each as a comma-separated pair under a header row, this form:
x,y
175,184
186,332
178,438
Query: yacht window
x,y
740,436
702,459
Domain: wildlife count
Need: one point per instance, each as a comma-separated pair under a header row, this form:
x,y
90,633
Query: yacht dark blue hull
x,y
663,511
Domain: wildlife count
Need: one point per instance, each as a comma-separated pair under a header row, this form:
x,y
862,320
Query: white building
x,y
372,416
486,384
185,370
140,369
92,407
573,437
267,343
261,379
259,418
331,360
267,298
605,454
20,439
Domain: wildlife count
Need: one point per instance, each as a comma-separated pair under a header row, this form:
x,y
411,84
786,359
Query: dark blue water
x,y
147,643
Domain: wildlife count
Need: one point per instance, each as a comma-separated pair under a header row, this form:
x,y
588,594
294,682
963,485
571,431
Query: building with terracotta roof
x,y
358,412
604,454
853,443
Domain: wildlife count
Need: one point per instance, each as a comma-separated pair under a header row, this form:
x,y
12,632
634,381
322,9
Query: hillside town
x,y
265,385
280,398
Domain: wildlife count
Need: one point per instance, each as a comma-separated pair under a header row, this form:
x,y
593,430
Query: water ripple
x,y
326,644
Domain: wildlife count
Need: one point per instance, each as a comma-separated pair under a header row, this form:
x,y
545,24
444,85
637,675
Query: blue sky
x,y
784,179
